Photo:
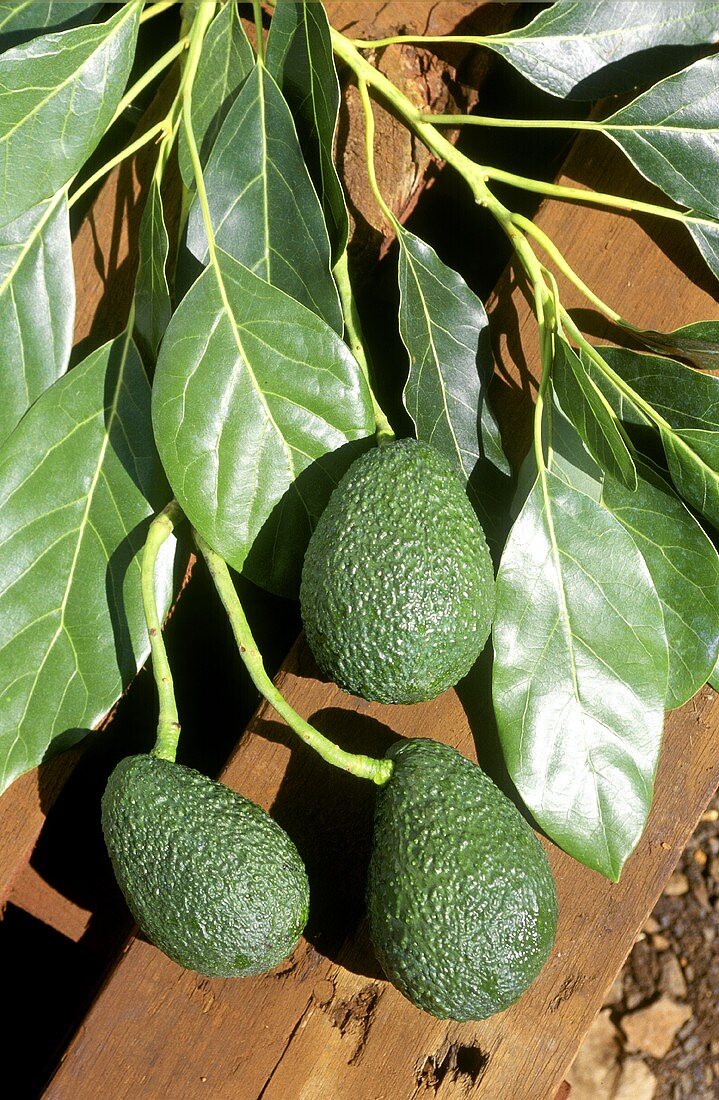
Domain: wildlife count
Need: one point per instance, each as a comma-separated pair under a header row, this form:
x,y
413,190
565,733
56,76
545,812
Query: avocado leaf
x,y
226,60
684,566
591,414
264,209
586,49
66,84
671,134
299,57
79,479
697,343
255,402
37,306
580,673
153,306
21,20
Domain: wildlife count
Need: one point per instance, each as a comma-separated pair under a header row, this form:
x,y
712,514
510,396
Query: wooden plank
x,y
326,1024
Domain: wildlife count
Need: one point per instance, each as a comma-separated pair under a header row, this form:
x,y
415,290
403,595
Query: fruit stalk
x,y
364,767
168,724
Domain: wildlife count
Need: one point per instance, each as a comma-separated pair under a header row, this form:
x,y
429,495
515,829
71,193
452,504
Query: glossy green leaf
x,y
688,403
255,401
153,307
586,49
697,344
589,411
57,96
713,680
21,20
264,209
671,134
79,477
37,306
685,569
226,61
299,56
706,238
580,674
567,455
446,332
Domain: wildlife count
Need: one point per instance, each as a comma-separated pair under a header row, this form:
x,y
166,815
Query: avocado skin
x,y
209,877
461,898
397,592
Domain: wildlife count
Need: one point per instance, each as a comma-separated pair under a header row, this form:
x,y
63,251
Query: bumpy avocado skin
x,y
397,590
461,899
209,877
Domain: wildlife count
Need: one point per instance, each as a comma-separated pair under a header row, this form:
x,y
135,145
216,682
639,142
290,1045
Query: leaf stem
x,y
517,123
355,340
168,723
156,9
365,767
128,151
197,33
257,16
147,77
420,40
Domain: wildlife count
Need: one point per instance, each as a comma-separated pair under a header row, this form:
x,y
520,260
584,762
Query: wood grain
x,y
326,1024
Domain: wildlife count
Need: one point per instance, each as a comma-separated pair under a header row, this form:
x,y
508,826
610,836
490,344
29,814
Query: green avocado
x,y
397,590
209,877
461,899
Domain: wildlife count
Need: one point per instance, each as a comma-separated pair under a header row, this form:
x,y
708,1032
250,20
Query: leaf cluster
x,y
240,386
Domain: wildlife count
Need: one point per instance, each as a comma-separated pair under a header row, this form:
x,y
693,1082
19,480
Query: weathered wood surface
x,y
326,1025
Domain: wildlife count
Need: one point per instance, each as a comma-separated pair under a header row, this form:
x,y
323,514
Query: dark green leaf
x,y
567,455
78,478
706,238
226,61
445,330
693,458
57,96
586,49
685,569
299,56
671,134
698,343
21,20
37,306
686,398
580,674
713,680
264,209
152,294
251,391
590,413
688,403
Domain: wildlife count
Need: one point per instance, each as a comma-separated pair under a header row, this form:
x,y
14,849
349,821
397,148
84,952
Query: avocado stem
x,y
364,767
168,723
355,340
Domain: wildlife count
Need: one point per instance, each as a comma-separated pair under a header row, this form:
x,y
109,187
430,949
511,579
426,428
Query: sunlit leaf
x,y
79,478
37,306
226,61
57,96
580,674
671,134
255,402
21,20
265,212
586,49
299,56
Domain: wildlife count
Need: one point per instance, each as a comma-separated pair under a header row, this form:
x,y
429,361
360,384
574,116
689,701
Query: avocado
x,y
397,592
209,877
461,899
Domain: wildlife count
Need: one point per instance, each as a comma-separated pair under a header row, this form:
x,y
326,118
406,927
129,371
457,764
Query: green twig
x,y
517,123
149,75
168,724
128,151
354,338
156,9
365,767
257,15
